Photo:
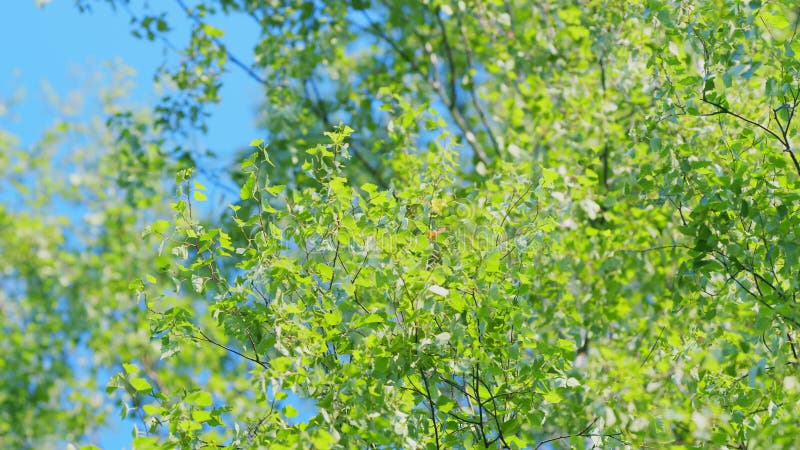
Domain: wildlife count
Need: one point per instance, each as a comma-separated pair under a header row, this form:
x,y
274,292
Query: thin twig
x,y
264,82
451,63
474,93
431,406
455,112
723,110
583,433
228,349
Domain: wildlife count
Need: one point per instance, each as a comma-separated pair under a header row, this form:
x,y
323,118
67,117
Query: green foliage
x,y
381,306
561,224
71,247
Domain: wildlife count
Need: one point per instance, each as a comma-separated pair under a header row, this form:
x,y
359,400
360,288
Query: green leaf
x,y
152,410
140,384
553,397
549,176
248,188
136,286
160,226
199,415
333,318
145,442
201,399
275,232
212,31
325,272
289,411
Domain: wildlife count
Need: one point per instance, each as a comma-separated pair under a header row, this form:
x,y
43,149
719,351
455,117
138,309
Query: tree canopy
x,y
473,224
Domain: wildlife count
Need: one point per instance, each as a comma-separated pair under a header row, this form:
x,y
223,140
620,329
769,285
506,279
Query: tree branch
x,y
264,82
228,349
473,92
431,406
582,433
455,113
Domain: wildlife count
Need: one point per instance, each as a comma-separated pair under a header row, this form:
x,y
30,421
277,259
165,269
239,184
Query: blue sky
x,y
52,43
55,44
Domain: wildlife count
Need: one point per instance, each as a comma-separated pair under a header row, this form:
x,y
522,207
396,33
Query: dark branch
x,y
264,82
